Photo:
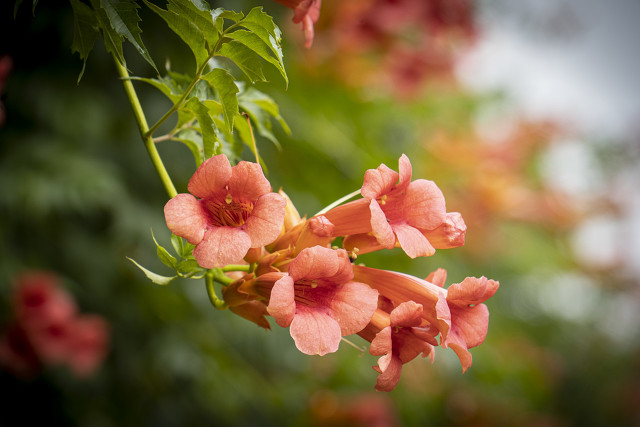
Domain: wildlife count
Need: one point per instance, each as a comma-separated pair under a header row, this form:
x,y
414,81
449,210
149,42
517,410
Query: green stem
x,y
338,202
209,280
195,80
144,129
231,267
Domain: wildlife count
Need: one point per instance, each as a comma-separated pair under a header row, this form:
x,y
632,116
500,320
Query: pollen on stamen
x,y
228,199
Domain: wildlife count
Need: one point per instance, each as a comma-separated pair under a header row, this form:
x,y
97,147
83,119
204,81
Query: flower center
x,y
228,212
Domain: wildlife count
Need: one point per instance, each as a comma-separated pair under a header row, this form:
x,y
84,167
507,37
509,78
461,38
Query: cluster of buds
x,y
48,330
289,270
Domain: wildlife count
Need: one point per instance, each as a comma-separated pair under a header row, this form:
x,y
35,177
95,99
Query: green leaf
x,y
178,244
186,30
16,6
258,45
85,31
172,88
266,103
225,85
33,9
123,15
219,15
260,108
200,15
112,40
193,141
164,85
246,59
258,18
164,256
155,278
189,265
206,125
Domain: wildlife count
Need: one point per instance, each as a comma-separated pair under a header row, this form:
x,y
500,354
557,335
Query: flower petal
x,y
353,304
265,223
314,263
378,182
282,304
221,246
438,277
248,182
407,315
404,171
314,331
412,241
186,218
388,379
381,344
450,234
408,346
380,228
211,177
471,290
424,205
469,329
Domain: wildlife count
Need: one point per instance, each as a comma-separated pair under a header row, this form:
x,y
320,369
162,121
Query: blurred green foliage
x,y
78,195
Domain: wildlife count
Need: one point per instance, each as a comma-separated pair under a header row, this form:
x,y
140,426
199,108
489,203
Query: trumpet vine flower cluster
x,y
273,262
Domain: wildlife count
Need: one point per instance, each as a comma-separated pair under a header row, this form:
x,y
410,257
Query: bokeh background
x,y
527,116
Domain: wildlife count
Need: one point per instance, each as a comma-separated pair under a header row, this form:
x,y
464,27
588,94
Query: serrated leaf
x,y
164,256
206,125
200,14
257,45
258,18
186,30
85,32
219,15
247,60
154,277
123,15
112,40
224,84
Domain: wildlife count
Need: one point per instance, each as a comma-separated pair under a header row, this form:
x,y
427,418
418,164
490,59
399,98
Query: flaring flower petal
x,y
186,218
353,304
314,331
468,330
404,171
381,344
389,377
412,241
248,182
438,277
211,177
378,182
282,304
471,290
315,263
424,205
265,223
380,228
221,246
406,315
408,346
450,234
